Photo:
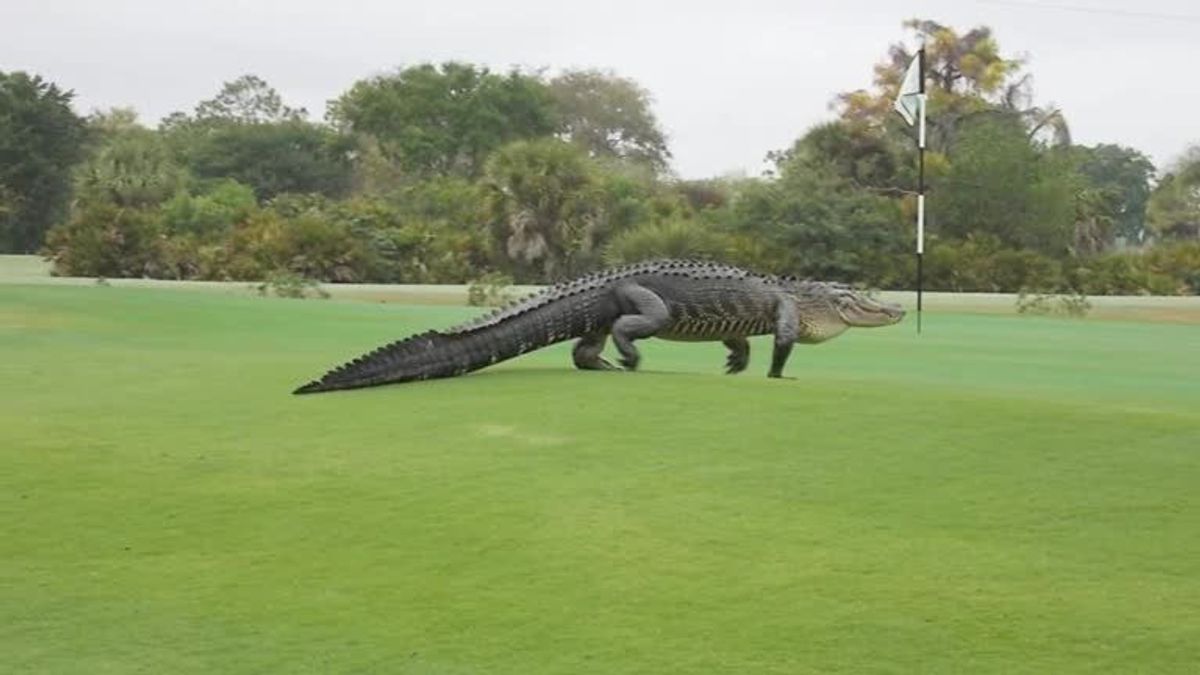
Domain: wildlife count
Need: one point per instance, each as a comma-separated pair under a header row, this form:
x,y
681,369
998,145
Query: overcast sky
x,y
731,79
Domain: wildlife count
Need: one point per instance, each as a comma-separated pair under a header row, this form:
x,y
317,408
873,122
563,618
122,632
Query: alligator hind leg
x,y
587,352
739,355
643,315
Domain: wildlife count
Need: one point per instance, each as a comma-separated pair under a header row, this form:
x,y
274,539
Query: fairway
x,y
1001,494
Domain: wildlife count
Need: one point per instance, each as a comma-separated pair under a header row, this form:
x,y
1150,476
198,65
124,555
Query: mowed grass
x,y
999,495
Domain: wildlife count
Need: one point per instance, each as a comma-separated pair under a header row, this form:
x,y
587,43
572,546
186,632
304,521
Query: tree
x,y
133,168
967,78
41,139
445,120
115,227
247,134
1119,185
547,208
860,155
1174,207
274,157
610,116
1000,184
247,100
1095,220
1019,190
105,124
811,222
965,73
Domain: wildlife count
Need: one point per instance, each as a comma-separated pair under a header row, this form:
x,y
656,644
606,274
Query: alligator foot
x,y
783,348
739,355
587,352
597,363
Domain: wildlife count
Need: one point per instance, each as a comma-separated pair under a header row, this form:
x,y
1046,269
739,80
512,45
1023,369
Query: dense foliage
x,y
40,140
452,173
436,121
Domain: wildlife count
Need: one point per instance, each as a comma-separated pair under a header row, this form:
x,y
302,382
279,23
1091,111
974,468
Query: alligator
x,y
670,299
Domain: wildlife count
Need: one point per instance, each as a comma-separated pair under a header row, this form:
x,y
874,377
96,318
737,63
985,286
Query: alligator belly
x,y
692,337
696,330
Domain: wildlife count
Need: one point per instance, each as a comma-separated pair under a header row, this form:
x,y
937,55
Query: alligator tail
x,y
536,322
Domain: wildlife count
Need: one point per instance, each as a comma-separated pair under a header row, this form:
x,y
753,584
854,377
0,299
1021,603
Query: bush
x,y
982,264
1121,274
1179,261
1074,305
302,242
103,239
491,290
288,285
211,213
428,238
1011,269
671,239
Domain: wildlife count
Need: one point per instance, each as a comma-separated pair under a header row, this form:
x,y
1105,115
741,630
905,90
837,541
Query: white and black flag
x,y
909,100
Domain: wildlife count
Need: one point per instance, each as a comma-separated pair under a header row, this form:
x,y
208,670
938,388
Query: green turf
x,y
1000,495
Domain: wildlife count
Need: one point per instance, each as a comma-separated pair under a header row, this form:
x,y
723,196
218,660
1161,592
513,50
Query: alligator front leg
x,y
787,331
779,358
643,314
587,352
739,355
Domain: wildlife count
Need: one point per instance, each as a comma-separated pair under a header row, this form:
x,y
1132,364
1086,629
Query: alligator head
x,y
828,309
862,311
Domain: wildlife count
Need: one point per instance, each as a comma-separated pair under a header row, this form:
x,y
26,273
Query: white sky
x,y
731,80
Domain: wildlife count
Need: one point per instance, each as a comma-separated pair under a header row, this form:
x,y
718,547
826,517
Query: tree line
x,y
445,173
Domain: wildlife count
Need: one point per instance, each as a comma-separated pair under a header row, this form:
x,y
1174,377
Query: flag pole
x,y
912,87
920,184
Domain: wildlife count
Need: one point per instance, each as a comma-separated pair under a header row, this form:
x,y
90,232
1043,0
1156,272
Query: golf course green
x,y
1001,494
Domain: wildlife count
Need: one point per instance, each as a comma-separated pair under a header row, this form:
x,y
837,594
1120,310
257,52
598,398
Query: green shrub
x,y
103,239
1180,261
1121,274
303,243
1076,305
211,213
1036,304
671,239
427,239
289,285
491,290
1011,269
983,264
1040,304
